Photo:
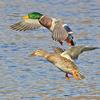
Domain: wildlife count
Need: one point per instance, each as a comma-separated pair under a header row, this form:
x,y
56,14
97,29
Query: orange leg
x,y
75,74
67,77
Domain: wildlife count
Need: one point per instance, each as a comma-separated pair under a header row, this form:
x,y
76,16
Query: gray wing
x,y
59,32
23,26
74,52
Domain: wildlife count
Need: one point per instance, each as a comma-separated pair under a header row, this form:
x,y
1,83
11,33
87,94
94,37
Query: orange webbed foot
x,y
67,77
75,74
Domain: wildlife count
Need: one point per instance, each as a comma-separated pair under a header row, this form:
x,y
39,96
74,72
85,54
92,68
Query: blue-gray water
x,y
26,78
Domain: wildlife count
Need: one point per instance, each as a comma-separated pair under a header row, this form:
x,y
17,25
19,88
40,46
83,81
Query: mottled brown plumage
x,y
60,62
58,50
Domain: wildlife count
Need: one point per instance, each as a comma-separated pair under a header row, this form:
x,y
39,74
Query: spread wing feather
x,y
26,25
74,52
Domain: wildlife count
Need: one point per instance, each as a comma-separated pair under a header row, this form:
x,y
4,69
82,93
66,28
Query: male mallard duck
x,y
73,52
60,62
60,31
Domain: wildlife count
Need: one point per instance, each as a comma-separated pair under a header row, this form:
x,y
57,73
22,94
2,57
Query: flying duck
x,y
34,20
62,63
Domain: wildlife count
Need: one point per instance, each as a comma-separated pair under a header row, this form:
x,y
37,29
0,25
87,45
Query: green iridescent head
x,y
35,15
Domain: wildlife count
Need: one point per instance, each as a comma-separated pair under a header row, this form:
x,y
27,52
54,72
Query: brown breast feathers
x,y
46,21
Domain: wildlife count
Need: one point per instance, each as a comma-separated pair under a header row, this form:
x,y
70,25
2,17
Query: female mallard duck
x,y
60,31
73,52
60,62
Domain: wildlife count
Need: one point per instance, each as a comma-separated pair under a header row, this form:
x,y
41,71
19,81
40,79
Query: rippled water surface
x,y
26,78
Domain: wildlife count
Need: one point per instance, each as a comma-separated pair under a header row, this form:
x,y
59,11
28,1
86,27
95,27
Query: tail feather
x,y
81,76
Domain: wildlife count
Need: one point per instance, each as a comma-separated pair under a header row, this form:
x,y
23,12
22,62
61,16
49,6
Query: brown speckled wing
x,y
59,32
23,26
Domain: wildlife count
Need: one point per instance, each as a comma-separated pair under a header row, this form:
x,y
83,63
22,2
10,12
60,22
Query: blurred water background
x,y
25,78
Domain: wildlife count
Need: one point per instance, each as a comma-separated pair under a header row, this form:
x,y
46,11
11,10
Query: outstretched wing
x,y
26,25
74,52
